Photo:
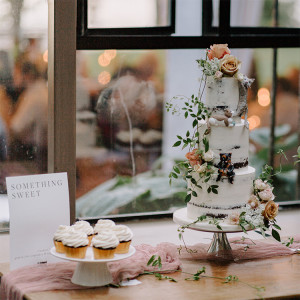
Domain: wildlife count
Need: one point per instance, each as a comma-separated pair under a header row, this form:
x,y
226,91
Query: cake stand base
x,y
220,246
91,274
90,271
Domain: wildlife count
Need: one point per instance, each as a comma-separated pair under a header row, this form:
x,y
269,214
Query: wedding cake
x,y
221,186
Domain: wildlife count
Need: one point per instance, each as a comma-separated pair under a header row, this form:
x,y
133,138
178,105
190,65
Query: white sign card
x,y
38,204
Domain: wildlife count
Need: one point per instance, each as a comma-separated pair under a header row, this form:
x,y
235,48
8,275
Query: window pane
x,y
128,13
256,13
23,90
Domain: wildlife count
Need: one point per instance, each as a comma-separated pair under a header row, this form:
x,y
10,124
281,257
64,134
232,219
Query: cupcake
x,y
61,232
86,228
76,243
124,234
103,225
104,245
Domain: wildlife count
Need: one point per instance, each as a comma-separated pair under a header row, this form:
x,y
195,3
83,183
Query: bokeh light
x,y
104,77
110,53
254,122
263,97
45,56
104,60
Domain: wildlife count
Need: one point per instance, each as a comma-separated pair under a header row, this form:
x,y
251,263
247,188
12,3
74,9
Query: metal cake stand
x,y
90,271
220,246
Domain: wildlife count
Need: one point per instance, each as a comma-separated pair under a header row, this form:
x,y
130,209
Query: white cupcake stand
x,y
220,246
90,271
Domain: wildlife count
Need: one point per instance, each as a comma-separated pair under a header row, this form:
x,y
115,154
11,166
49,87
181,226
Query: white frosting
x,y
230,197
222,92
84,226
105,239
75,239
123,233
61,232
222,139
103,225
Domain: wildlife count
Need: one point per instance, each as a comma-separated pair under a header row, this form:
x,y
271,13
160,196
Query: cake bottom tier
x,y
231,197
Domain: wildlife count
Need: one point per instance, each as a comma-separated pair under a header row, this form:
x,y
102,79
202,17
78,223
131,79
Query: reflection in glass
x,y
128,13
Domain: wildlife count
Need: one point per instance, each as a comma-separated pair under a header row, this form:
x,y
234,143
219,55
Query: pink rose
x,y
266,194
218,75
218,51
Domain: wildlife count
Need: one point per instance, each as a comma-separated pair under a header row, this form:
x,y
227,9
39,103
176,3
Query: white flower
x,y
208,156
218,75
239,76
266,194
261,185
234,218
200,168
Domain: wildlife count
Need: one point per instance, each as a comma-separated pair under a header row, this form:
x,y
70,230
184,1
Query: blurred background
x,y
124,136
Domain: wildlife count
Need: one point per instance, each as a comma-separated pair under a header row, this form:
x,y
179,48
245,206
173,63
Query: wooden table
x,y
279,275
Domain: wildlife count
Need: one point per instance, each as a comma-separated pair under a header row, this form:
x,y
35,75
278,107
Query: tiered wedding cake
x,y
222,188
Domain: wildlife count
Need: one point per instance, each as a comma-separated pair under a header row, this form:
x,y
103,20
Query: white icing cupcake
x,y
85,227
124,234
104,245
76,243
104,225
61,232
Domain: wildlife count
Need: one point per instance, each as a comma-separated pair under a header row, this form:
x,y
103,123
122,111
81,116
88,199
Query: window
x,y
254,45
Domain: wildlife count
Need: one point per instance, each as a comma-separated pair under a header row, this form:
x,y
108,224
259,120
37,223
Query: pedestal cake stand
x,y
90,271
220,245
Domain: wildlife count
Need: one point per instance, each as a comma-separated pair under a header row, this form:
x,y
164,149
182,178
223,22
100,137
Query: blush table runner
x,y
57,276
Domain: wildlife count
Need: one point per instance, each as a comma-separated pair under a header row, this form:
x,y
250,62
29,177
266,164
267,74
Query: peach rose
x,y
266,194
271,210
253,201
234,218
193,157
218,51
230,65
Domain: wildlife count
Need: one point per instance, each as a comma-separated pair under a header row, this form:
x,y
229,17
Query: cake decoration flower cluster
x,y
261,211
220,62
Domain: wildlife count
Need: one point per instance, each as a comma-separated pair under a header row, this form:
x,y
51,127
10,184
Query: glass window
x,y
23,90
128,13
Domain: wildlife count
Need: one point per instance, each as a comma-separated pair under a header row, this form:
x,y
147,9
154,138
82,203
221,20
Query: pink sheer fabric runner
x,y
57,276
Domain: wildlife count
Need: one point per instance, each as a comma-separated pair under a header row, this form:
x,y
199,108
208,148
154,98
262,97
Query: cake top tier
x,y
226,86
